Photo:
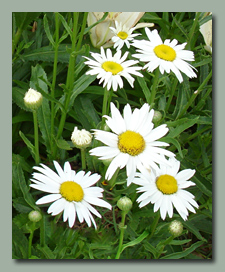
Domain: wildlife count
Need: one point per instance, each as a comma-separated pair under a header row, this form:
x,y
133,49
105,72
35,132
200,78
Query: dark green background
x,y
218,262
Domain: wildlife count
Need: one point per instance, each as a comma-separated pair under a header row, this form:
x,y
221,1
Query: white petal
x,y
48,199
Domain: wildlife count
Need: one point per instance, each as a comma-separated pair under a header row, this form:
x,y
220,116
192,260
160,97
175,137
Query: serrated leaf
x,y
18,176
23,19
17,97
47,30
62,144
179,129
19,242
185,253
28,144
144,88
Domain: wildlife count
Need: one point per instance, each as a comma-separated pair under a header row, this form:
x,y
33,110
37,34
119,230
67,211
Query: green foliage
x,y
49,57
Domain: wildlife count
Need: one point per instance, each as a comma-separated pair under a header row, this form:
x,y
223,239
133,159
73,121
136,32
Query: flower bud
x,y
33,99
175,228
157,116
35,216
81,138
125,204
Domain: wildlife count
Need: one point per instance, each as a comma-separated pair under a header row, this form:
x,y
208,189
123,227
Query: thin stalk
x,y
122,228
171,94
42,231
36,142
154,87
83,159
166,242
191,33
31,239
70,76
194,95
112,181
82,31
54,75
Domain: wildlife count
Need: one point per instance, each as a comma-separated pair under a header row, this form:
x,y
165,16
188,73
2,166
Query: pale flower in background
x,y
101,34
206,30
81,138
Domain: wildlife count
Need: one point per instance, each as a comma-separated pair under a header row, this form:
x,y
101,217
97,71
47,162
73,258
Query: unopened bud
x,y
33,99
125,204
157,116
34,216
81,138
176,228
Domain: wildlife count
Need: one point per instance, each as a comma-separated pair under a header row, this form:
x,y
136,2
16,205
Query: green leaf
x,y
28,143
135,241
185,125
63,144
17,97
67,27
47,252
145,88
23,19
19,243
47,30
185,253
175,143
18,177
191,227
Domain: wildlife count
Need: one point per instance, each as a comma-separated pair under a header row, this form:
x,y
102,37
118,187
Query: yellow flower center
x,y
71,191
113,67
165,52
131,142
122,35
167,184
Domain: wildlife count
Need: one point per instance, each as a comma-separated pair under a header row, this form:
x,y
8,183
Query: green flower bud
x,y
81,138
176,228
32,99
157,116
125,204
35,216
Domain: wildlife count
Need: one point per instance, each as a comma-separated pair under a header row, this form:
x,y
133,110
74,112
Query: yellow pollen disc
x,y
71,191
113,67
122,35
131,142
167,184
165,52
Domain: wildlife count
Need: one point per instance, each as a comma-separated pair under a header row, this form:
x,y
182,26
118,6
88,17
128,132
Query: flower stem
x,y
122,228
104,106
36,142
83,160
54,76
154,87
171,94
42,231
31,239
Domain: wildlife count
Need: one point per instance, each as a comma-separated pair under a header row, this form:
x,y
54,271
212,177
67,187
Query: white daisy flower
x,y
165,188
168,56
122,35
110,68
132,142
70,192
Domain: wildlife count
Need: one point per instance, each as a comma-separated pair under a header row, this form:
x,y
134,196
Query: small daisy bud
x,y
176,228
125,204
33,99
81,138
157,116
34,216
107,162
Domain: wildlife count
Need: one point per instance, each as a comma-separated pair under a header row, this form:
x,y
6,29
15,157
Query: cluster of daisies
x,y
133,142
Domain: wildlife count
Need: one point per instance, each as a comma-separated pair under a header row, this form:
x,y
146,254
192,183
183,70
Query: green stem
x,y
36,142
166,242
31,239
194,95
122,228
154,87
42,231
54,77
82,31
171,94
70,76
112,181
83,160
191,33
